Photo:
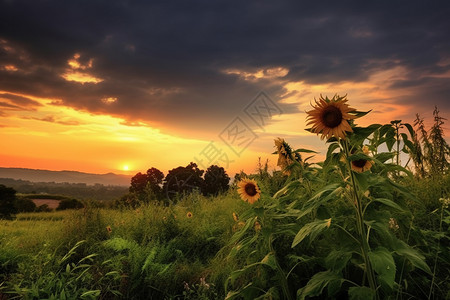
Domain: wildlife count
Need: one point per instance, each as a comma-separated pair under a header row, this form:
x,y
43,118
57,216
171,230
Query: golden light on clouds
x,y
109,100
73,73
268,73
11,68
80,77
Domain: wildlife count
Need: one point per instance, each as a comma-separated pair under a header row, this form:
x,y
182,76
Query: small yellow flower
x,y
108,229
329,222
330,117
248,190
365,150
189,214
235,217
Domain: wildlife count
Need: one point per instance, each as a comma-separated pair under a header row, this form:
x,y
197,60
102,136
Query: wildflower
x,y
238,226
445,202
361,165
393,224
248,190
365,149
257,226
203,283
189,214
330,117
235,217
108,229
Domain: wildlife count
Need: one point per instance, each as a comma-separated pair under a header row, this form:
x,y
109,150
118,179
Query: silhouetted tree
x,y
7,199
183,180
138,183
24,205
216,180
69,204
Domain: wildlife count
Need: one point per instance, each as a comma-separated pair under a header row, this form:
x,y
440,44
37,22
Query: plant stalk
x,y
364,245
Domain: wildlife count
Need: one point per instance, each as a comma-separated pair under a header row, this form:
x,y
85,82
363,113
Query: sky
x,y
122,86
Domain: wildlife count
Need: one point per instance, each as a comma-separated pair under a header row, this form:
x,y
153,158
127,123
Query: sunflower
x,y
189,214
361,165
248,190
330,117
286,156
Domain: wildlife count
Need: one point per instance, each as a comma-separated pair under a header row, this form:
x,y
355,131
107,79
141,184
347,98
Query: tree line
x,y
155,186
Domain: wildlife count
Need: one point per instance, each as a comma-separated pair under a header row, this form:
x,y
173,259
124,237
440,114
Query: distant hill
x,y
35,175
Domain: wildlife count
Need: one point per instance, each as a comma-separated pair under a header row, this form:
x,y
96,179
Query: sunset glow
x,y
98,97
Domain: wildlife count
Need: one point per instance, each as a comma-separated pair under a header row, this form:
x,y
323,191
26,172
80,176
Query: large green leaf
x,y
383,263
416,259
387,202
317,283
362,133
338,259
361,293
311,229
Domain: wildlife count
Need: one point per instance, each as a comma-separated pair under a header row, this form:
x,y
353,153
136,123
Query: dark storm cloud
x,y
165,61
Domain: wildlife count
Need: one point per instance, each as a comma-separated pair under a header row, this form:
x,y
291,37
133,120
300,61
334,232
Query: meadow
x,y
359,225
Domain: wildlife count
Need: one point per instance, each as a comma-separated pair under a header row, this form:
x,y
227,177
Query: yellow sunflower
x,y
189,214
248,190
361,165
330,117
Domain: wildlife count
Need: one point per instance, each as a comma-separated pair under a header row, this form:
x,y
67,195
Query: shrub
x,y
24,205
69,204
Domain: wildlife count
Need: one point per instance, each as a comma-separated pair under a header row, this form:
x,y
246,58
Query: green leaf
x,y
91,294
317,283
412,133
390,138
362,133
416,259
337,259
360,114
305,151
362,179
311,229
361,293
270,260
383,263
383,157
387,202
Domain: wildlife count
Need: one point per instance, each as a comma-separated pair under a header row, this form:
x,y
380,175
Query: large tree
x,y
7,199
148,182
183,180
216,180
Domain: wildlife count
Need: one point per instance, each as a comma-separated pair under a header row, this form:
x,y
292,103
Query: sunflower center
x,y
359,163
331,116
250,189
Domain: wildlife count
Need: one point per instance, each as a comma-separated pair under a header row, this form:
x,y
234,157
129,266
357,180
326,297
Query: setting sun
x,y
126,168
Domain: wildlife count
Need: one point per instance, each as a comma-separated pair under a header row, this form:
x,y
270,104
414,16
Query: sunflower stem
x,y
362,233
